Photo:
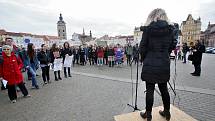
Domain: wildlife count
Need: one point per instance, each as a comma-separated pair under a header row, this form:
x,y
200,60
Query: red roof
x,y
13,34
21,34
25,34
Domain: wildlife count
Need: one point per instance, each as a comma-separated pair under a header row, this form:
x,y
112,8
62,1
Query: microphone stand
x,y
135,105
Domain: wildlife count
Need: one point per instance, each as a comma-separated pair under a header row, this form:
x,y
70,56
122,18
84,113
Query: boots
x,y
59,76
69,73
55,75
147,115
165,114
65,74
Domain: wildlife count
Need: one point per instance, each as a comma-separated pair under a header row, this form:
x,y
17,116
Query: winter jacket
x,y
129,50
27,60
155,48
197,55
100,53
185,49
66,51
10,69
110,52
106,52
119,53
44,57
54,54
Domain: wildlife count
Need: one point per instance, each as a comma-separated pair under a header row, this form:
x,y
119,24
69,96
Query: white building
x,y
122,40
137,36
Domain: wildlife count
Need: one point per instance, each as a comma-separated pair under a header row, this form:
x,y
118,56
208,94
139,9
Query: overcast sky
x,y
112,17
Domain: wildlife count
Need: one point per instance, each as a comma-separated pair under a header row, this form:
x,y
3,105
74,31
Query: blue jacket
x,y
26,60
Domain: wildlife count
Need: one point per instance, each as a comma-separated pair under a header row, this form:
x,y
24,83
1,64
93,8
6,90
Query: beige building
x,y
61,28
191,30
137,35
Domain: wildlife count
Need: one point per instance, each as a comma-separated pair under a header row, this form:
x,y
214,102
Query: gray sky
x,y
112,17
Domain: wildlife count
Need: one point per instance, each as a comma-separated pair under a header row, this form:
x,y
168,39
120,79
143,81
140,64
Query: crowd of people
x,y
109,55
29,60
14,62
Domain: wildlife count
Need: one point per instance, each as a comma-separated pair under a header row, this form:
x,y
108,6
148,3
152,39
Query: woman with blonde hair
x,y
155,47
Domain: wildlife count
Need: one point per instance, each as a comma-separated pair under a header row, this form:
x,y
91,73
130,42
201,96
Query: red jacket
x,y
100,53
10,69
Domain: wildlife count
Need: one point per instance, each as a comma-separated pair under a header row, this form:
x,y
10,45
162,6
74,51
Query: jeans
x,y
100,61
32,70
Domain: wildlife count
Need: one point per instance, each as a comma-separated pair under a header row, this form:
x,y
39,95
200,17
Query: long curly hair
x,y
30,50
64,44
54,48
157,14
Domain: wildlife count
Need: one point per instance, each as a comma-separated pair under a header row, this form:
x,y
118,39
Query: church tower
x,y
61,28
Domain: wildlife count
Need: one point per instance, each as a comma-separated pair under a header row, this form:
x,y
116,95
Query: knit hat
x,y
6,47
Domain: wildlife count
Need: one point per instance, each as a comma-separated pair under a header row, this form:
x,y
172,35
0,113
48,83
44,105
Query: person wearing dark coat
x,y
135,53
82,55
197,58
76,55
185,49
44,58
105,56
66,52
90,55
155,47
111,55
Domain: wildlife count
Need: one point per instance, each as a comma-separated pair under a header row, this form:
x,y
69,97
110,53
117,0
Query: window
x,y
63,30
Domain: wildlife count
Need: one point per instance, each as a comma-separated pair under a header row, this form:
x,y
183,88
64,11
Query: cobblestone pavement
x,y
98,93
199,105
205,81
80,98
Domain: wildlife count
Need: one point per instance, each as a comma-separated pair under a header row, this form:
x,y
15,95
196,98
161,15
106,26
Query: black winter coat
x,y
155,47
66,51
90,51
44,57
110,52
197,55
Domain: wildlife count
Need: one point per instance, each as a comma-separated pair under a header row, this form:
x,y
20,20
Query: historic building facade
x,y
191,30
208,38
83,38
137,35
61,28
22,39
